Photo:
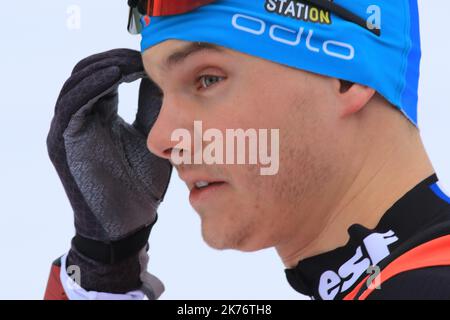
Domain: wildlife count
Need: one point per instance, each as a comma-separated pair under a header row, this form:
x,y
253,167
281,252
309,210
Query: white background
x,y
36,224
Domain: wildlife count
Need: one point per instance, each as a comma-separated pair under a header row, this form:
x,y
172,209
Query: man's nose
x,y
173,115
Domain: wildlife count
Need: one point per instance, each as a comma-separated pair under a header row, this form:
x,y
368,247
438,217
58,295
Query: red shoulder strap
x,y
55,290
430,254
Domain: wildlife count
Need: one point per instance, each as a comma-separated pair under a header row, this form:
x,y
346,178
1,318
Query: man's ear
x,y
352,96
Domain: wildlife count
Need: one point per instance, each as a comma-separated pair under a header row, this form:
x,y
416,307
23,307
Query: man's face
x,y
229,90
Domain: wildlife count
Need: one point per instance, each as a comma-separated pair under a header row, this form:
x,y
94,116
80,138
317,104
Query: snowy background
x,y
40,47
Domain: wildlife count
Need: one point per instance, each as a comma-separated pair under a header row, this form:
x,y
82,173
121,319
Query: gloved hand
x,y
113,182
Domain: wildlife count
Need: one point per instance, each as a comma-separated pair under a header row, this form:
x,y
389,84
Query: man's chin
x,y
222,240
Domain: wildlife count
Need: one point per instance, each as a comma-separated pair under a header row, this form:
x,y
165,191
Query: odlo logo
x,y
376,249
291,37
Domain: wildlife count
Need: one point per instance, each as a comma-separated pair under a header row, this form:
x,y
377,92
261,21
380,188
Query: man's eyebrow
x,y
190,49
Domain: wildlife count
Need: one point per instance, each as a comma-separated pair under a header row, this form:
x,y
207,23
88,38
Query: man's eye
x,y
207,81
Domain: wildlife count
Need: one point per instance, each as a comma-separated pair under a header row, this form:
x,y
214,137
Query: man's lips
x,y
201,186
199,195
199,181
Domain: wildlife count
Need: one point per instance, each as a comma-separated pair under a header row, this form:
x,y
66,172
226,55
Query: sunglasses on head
x,y
159,8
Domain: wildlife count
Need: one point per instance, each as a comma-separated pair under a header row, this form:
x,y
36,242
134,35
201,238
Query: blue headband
x,y
308,38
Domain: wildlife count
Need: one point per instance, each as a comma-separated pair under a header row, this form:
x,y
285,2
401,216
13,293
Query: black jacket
x,y
423,214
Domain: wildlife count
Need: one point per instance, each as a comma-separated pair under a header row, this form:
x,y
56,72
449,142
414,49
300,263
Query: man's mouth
x,y
204,191
204,184
201,184
203,187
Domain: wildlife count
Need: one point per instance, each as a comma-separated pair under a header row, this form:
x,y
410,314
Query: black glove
x,y
113,182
